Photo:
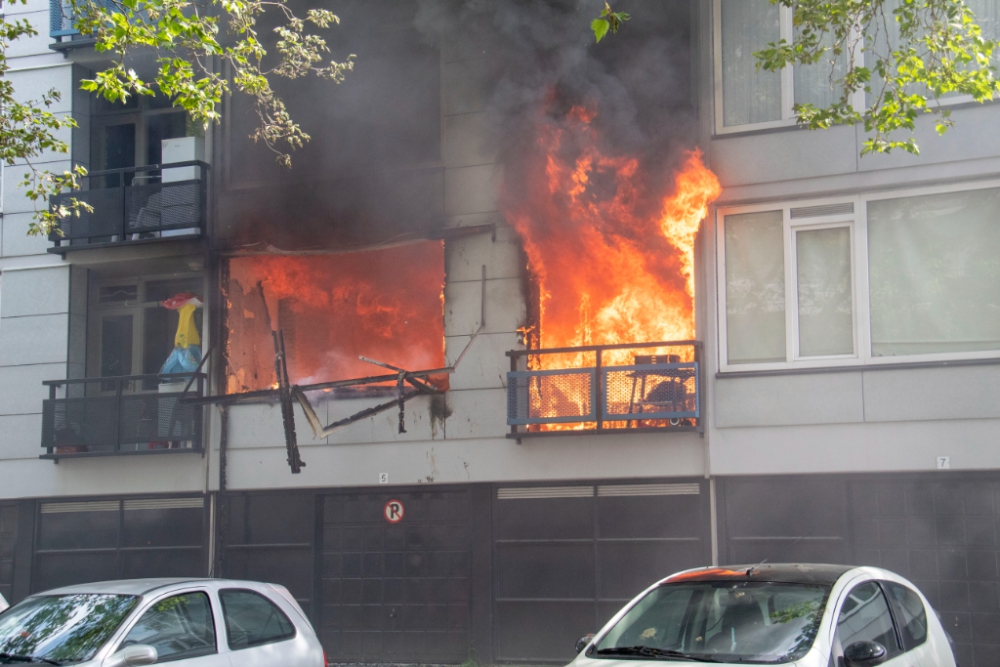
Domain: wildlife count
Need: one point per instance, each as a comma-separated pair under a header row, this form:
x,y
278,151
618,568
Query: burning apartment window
x,y
384,304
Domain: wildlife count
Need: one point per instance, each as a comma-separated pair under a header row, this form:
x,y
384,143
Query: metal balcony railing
x,y
135,205
628,388
61,18
107,416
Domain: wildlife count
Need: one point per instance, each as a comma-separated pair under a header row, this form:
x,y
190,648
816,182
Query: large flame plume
x,y
385,304
611,250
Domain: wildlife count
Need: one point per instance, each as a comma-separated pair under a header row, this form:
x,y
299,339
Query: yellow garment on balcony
x,y
187,332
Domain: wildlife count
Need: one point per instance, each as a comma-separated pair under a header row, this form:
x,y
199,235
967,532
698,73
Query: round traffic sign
x,y
393,511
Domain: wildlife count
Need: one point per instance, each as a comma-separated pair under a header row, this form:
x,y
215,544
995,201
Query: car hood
x,y
583,661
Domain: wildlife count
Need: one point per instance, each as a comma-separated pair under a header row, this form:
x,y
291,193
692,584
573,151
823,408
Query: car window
x,y
910,614
865,616
178,627
252,619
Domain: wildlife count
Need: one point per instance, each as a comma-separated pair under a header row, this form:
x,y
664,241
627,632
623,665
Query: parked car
x,y
3,603
812,615
187,622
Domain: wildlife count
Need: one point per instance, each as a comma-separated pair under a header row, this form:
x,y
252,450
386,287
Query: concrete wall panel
x,y
467,140
472,189
35,478
874,447
920,394
22,436
35,44
42,291
466,256
21,388
823,398
466,86
505,308
477,413
485,365
31,83
13,194
38,339
782,155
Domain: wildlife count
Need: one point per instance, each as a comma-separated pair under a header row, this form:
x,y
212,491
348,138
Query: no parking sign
x,y
393,511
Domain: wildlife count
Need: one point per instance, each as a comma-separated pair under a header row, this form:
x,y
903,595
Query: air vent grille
x,y
165,504
524,492
612,490
845,208
90,506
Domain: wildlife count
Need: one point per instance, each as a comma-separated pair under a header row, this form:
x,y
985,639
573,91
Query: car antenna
x,y
797,540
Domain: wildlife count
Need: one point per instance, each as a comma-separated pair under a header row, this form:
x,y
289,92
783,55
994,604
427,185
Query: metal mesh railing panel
x,y
104,221
651,391
163,206
154,419
543,397
106,415
74,425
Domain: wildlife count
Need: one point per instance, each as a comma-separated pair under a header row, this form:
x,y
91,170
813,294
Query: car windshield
x,y
718,621
62,628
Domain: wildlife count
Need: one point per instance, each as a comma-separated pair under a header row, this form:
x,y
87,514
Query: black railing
x,y
628,388
134,205
106,416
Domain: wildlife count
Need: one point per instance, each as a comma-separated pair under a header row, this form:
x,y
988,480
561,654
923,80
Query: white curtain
x,y
749,95
826,314
814,83
934,273
755,287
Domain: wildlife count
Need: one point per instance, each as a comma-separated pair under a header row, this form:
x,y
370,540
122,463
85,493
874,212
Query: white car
x,y
186,622
810,615
3,603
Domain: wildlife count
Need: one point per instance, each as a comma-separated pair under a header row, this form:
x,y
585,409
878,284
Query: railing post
x,y
513,368
598,391
118,415
122,209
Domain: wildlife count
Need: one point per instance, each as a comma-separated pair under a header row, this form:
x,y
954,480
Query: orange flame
x,y
384,304
613,255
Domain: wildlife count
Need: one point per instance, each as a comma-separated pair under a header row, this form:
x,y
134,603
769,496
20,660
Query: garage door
x,y
568,557
396,577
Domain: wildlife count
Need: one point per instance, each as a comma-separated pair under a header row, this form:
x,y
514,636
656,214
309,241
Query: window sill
x,y
858,368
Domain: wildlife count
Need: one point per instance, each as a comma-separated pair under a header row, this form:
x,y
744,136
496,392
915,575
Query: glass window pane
x,y
252,619
934,273
755,287
161,290
749,95
116,345
812,83
909,613
177,627
826,319
865,616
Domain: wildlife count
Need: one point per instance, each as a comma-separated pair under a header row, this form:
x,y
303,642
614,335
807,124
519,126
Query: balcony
x,y
135,205
629,388
61,19
134,414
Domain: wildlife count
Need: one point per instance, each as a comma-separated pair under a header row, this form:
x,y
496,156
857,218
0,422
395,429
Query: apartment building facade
x,y
837,402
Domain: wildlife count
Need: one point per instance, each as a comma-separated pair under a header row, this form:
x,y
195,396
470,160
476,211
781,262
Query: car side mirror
x,y
865,654
133,656
582,642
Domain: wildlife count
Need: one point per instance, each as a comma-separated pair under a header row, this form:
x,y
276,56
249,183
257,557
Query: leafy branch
x,y
608,20
910,55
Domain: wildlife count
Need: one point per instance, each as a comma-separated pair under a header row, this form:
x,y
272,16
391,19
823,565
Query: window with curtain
x,y
932,280
934,273
749,95
755,287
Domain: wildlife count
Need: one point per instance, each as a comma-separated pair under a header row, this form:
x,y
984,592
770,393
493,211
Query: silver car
x,y
187,622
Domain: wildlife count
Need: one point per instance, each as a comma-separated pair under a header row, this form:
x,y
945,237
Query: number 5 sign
x,y
393,511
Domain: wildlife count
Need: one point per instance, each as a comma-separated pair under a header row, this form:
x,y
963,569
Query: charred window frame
x,y
758,284
129,333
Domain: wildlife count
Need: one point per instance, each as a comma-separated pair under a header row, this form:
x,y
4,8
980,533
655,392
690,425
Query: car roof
x,y
790,573
124,586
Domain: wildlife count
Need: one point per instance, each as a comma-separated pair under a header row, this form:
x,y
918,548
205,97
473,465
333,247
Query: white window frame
x,y
858,222
785,32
